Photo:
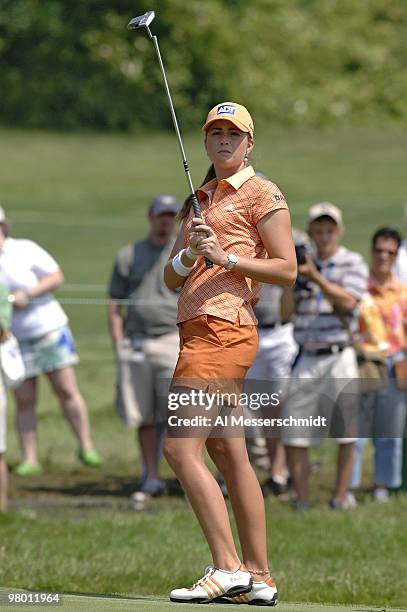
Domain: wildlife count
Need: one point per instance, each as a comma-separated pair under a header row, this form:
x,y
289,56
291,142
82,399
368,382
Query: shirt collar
x,y
236,180
393,283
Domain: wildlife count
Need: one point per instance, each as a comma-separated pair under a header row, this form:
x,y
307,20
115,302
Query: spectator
x,y
400,267
271,371
41,328
330,283
5,321
144,334
383,325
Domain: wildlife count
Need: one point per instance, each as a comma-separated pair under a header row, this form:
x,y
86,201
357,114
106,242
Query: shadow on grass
x,y
107,491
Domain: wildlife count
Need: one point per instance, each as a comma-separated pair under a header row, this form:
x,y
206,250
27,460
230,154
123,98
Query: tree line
x,y
72,64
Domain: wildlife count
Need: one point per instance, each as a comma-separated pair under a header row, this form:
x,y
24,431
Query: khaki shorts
x,y
3,420
143,377
215,355
323,385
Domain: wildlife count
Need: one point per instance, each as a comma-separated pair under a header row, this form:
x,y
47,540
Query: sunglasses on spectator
x,y
382,251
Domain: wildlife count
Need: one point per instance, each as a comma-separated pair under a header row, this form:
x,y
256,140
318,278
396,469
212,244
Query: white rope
x,y
90,301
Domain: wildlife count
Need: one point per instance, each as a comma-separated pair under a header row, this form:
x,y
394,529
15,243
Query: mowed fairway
x,y
72,530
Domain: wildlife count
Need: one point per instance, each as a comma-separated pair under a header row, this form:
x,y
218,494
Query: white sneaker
x,y
381,494
215,583
262,594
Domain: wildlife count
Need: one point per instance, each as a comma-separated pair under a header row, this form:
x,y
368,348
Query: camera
x,y
300,253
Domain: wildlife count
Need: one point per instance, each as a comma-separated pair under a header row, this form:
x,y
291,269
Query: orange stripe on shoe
x,y
270,582
214,588
243,598
207,590
222,590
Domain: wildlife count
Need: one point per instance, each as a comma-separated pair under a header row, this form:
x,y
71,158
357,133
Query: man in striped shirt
x,y
329,286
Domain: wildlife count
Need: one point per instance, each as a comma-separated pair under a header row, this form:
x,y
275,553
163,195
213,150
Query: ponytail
x,y
186,207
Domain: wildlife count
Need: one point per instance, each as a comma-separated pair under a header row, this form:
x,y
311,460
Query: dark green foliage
x,y
72,63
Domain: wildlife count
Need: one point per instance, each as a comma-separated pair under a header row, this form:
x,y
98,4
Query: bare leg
x,y
231,459
3,483
26,419
73,405
298,464
277,459
149,442
185,456
346,454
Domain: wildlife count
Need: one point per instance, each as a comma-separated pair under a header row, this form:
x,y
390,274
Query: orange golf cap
x,y
230,111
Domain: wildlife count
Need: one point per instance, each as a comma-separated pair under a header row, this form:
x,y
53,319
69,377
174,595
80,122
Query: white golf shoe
x,y
215,583
262,594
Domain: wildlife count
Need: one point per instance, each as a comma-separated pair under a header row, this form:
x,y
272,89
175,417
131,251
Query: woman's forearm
x,y
273,271
171,278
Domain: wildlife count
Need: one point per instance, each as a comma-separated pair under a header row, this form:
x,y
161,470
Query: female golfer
x,y
246,233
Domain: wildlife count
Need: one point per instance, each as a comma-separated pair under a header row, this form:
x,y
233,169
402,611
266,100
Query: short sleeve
x,y
119,287
41,262
269,199
355,276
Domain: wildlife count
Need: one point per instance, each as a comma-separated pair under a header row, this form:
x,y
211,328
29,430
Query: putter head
x,y
141,21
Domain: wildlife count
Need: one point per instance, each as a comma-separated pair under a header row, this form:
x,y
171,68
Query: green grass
x,y
322,557
82,197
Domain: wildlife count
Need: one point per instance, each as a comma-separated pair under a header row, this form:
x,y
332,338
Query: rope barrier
x,y
90,301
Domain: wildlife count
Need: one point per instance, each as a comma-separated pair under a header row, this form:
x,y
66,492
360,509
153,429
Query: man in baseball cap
x,y
144,334
328,289
325,209
230,111
164,204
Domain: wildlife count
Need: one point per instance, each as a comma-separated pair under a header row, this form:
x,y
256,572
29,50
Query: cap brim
x,y
235,122
338,222
164,211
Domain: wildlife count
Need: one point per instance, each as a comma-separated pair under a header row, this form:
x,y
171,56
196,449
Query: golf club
x,y
143,21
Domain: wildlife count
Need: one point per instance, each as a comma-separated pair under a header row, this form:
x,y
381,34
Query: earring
x,y
245,159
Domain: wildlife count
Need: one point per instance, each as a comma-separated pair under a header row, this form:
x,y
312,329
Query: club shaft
x,y
174,117
194,199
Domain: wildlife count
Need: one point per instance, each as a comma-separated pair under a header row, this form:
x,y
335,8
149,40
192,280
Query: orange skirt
x,y
215,354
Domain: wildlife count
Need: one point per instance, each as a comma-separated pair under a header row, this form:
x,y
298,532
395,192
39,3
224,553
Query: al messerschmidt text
x,y
242,421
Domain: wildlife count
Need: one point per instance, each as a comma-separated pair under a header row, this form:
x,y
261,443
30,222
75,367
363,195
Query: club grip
x,y
197,212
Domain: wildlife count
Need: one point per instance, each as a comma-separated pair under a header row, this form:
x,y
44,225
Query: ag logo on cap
x,y
226,109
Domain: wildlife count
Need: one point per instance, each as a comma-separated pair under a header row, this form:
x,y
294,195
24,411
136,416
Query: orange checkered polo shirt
x,y
232,207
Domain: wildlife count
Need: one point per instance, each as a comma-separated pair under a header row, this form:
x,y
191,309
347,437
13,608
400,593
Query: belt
x,y
326,350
